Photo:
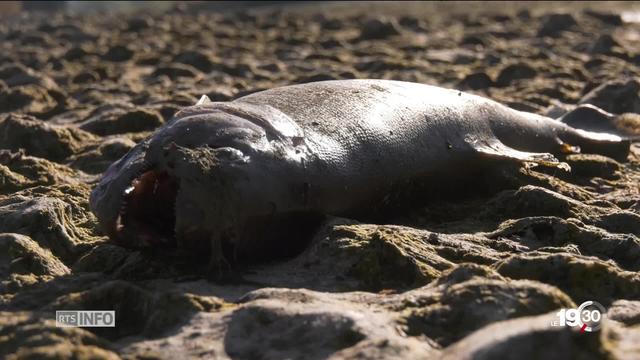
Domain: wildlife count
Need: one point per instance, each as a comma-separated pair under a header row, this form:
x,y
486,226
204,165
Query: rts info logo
x,y
587,317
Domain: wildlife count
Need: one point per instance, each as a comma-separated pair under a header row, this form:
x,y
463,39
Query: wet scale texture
x,y
480,274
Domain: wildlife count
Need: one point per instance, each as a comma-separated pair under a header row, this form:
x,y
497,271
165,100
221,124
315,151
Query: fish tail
x,y
591,142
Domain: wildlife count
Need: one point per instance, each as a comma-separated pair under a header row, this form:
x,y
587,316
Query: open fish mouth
x,y
149,217
147,214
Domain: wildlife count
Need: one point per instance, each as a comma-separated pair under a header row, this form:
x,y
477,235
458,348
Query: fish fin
x,y
204,99
497,149
615,146
596,131
596,124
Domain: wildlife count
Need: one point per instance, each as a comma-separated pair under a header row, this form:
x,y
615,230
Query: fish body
x,y
244,172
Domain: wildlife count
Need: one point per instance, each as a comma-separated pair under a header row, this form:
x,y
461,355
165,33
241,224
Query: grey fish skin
x,y
331,147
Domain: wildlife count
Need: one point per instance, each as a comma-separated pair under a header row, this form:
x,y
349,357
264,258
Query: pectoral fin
x,y
496,149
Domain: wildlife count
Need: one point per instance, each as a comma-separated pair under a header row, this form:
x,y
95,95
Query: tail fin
x,y
593,119
596,131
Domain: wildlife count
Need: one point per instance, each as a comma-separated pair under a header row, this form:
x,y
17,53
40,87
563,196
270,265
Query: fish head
x,y
184,184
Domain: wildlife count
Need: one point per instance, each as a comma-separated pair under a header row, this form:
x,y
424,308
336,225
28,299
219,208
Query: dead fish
x,y
241,176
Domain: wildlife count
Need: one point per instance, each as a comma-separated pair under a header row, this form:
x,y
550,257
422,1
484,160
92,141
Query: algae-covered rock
x,y
582,278
593,165
19,171
63,227
618,96
388,258
21,255
96,159
40,139
540,233
137,310
29,335
119,120
531,337
535,201
625,311
382,258
469,297
31,99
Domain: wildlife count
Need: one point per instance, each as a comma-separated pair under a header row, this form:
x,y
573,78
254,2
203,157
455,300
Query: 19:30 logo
x,y
587,317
